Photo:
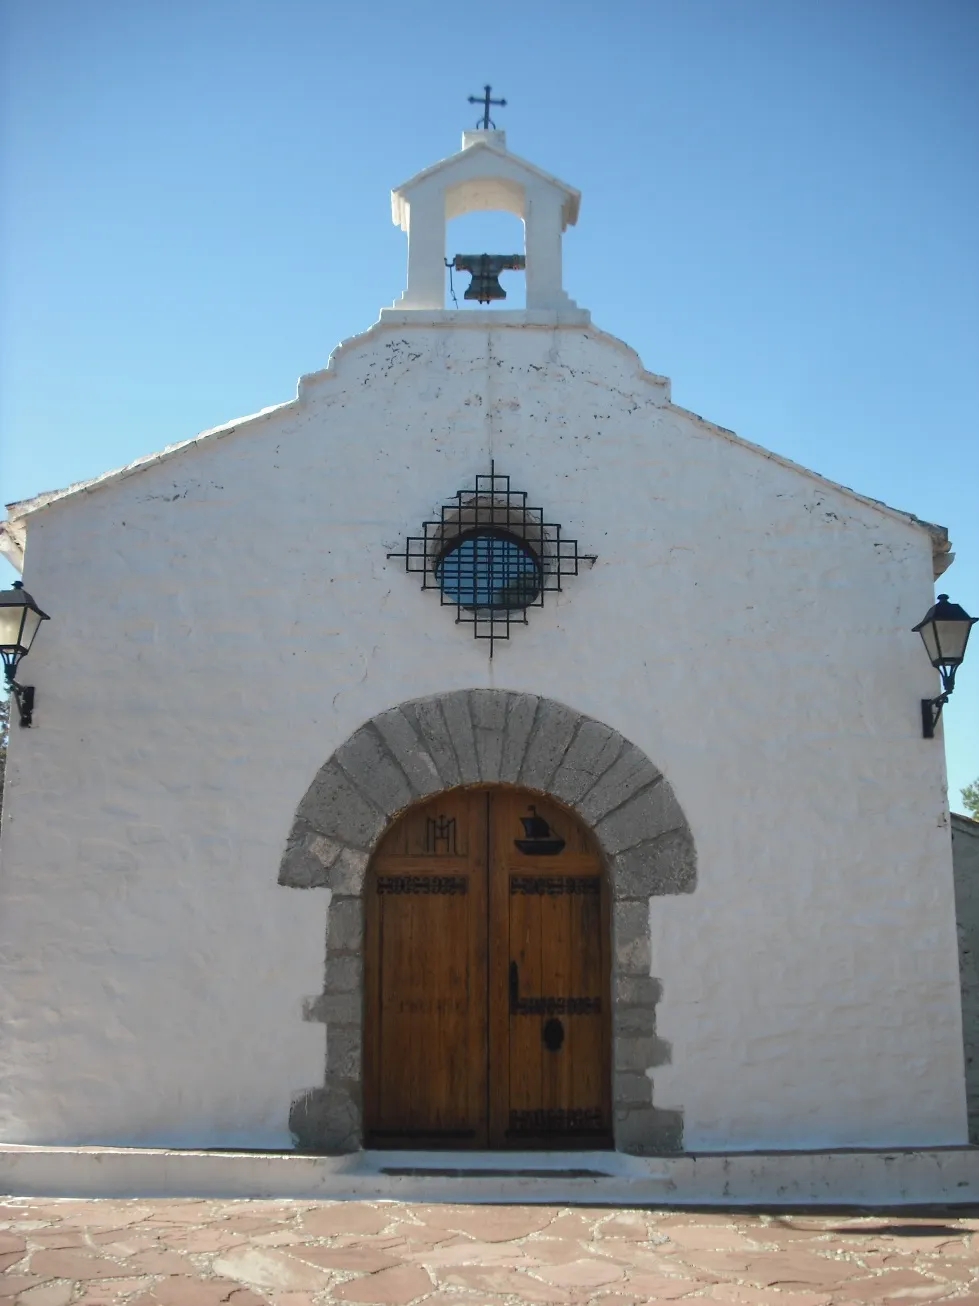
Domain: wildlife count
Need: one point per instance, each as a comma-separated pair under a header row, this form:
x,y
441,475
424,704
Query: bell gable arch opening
x,y
489,736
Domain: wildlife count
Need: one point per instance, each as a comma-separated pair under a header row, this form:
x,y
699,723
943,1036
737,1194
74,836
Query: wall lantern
x,y
944,630
20,618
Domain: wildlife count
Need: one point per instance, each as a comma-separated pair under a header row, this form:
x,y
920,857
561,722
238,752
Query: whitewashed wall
x,y
222,620
965,865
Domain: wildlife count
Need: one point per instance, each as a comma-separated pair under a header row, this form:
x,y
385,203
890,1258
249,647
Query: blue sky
x,y
779,212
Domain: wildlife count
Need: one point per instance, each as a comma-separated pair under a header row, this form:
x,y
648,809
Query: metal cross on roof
x,y
485,101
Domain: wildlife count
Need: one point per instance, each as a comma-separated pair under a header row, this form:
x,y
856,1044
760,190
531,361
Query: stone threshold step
x,y
940,1176
460,1172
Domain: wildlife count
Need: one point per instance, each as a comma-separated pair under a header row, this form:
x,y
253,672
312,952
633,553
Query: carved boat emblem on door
x,y
539,839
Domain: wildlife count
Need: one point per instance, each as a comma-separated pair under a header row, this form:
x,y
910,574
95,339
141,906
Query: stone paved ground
x,y
302,1253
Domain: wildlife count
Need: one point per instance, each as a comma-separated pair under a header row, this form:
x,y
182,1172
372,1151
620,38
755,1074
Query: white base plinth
x,y
780,1179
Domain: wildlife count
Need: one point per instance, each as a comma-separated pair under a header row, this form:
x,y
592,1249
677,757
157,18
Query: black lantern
x,y
20,619
944,631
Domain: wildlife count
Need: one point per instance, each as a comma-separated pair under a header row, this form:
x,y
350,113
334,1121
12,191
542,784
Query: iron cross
x,y
485,101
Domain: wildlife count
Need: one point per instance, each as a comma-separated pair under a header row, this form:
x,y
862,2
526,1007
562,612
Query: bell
x,y
486,268
485,286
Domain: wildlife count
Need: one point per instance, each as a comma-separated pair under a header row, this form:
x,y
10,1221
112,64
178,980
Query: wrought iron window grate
x,y
492,556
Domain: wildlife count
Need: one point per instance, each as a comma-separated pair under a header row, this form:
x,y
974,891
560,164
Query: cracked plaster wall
x,y
224,619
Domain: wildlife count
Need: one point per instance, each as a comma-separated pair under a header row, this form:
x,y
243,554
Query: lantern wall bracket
x,y
24,698
931,710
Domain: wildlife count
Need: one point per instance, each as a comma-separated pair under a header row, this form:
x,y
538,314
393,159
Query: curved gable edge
x,y
13,529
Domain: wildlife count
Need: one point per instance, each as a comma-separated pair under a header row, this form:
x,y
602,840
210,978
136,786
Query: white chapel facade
x,y
477,751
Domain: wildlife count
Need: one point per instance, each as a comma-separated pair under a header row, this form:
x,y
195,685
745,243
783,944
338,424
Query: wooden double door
x,y
487,1015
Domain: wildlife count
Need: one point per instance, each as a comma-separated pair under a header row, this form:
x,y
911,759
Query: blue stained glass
x,y
489,569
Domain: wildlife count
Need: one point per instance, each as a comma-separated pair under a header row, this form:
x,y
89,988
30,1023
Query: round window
x,y
489,569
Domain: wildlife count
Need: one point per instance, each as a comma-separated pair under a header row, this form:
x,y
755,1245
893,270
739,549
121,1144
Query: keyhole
x,y
553,1034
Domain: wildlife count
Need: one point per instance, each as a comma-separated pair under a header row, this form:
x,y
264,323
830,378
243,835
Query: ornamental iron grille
x,y
492,556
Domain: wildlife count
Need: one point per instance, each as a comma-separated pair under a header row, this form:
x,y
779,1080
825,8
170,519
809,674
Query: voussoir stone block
x,y
327,850
488,708
519,723
334,807
629,773
667,864
426,716
592,751
651,811
302,869
310,858
374,771
455,709
409,752
554,728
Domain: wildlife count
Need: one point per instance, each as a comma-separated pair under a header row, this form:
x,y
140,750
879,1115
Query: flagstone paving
x,y
248,1253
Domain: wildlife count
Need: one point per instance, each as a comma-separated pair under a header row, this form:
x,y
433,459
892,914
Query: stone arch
x,y
489,736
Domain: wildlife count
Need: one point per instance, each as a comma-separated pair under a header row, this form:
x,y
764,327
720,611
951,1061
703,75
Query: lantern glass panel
x,y
930,641
950,637
32,621
11,619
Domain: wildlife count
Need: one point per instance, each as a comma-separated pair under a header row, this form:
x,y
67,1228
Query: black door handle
x,y
514,986
553,1034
